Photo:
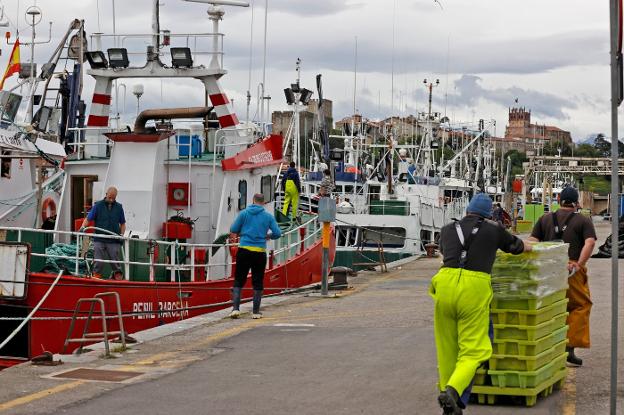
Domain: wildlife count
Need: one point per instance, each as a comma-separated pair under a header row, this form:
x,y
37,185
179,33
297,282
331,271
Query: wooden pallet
x,y
492,394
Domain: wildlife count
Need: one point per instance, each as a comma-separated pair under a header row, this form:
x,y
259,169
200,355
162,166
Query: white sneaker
x,y
256,316
235,314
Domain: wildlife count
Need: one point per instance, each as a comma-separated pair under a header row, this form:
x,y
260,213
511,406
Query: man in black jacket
x,y
462,292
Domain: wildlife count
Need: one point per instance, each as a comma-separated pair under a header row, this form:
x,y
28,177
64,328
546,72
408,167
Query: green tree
x,y
586,150
516,158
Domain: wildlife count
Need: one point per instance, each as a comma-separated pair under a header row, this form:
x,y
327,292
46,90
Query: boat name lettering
x,y
166,309
262,157
15,140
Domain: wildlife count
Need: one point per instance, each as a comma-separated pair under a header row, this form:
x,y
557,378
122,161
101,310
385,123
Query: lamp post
x,y
430,85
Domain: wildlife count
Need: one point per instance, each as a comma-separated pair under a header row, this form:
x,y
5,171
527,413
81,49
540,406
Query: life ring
x,y
48,209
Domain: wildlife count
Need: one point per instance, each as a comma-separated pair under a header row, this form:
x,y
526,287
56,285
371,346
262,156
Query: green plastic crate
x,y
491,394
520,332
529,317
529,379
526,302
481,378
528,347
527,363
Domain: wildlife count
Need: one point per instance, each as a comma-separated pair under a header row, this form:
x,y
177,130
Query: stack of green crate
x,y
530,332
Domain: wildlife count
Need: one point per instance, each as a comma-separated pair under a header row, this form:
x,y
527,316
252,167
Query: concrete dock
x,y
368,350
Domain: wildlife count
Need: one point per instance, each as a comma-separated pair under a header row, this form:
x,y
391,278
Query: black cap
x,y
569,196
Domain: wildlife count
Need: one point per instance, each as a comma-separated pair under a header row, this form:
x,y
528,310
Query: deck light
x,y
306,94
290,96
181,57
97,60
118,57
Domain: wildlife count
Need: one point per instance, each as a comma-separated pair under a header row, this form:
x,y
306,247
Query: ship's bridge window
x,y
242,194
5,165
266,188
348,189
390,237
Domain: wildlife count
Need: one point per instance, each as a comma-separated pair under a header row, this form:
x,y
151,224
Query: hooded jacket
x,y
291,174
253,224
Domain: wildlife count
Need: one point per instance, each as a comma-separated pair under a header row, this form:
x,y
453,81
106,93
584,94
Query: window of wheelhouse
x,y
242,194
266,188
5,165
81,191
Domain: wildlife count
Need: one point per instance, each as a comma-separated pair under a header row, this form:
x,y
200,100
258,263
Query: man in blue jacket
x,y
107,214
253,225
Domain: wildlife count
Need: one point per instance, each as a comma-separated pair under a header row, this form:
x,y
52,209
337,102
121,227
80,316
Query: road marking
x,y
38,395
153,359
569,406
293,325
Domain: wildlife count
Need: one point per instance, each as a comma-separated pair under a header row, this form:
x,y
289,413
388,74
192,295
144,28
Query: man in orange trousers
x,y
578,231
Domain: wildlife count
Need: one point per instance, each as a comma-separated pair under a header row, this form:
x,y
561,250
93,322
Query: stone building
x,y
533,135
307,122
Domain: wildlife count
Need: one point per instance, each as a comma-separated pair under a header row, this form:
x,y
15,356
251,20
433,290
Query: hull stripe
x,y
103,99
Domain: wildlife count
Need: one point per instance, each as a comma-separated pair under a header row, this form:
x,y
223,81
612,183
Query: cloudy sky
x,y
550,55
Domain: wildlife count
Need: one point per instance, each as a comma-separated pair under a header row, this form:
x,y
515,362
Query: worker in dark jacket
x,y
108,214
462,293
291,186
579,232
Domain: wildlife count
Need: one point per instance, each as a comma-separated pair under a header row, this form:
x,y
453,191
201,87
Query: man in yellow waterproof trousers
x,y
578,231
462,293
291,186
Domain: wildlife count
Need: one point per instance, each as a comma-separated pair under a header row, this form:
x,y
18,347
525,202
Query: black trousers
x,y
250,260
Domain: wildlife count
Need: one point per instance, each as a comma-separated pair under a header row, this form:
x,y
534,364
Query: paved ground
x,y
368,352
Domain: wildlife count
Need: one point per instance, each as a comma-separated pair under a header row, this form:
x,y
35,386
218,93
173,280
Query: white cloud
x,y
552,55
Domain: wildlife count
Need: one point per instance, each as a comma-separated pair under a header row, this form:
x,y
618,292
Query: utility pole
x,y
616,100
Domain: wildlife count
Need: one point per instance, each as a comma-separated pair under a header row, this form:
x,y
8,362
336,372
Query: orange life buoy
x,y
48,209
232,239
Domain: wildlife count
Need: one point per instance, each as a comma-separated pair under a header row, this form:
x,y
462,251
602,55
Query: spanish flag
x,y
14,63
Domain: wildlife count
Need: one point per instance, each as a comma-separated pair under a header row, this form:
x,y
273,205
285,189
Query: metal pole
x,y
616,81
325,266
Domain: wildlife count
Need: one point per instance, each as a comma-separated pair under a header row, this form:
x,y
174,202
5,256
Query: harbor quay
x,y
365,350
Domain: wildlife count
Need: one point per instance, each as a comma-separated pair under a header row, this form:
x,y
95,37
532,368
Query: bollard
x,y
326,215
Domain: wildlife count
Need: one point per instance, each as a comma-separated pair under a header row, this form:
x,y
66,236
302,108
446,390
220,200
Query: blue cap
x,y
481,205
569,196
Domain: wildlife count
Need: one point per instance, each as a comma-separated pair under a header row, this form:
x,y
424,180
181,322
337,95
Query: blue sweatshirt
x,y
253,224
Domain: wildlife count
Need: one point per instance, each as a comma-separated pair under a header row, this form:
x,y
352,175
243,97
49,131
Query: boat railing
x,y
291,243
244,137
79,146
200,44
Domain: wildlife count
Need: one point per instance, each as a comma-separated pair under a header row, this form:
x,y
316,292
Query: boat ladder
x,y
104,335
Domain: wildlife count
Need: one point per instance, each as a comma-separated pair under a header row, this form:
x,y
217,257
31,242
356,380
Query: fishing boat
x,y
392,200
179,195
